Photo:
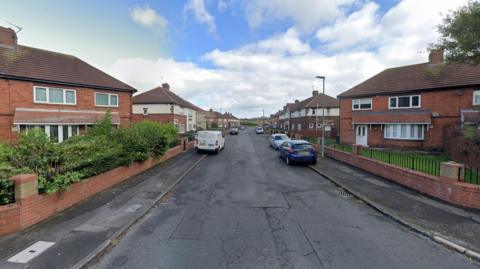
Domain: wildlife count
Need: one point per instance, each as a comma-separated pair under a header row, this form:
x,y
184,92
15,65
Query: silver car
x,y
277,139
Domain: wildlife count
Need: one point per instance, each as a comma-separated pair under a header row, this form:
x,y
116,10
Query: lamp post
x,y
323,117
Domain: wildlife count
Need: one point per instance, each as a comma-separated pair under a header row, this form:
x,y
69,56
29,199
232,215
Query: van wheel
x,y
217,151
287,161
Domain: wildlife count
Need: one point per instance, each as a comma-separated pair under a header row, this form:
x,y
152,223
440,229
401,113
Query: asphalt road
x,y
244,208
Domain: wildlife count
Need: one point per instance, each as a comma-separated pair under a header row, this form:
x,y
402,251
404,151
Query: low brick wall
x,y
31,208
449,189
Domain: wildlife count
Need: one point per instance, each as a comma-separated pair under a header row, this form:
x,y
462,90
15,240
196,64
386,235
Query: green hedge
x,y
101,149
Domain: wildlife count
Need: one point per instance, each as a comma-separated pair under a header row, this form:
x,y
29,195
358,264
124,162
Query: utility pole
x,y
323,117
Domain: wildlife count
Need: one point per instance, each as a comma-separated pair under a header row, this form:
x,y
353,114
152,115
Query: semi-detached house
x,y
410,106
56,92
164,106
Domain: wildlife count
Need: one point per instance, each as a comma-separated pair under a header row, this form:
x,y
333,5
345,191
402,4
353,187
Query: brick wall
x,y
446,189
162,118
27,211
19,94
447,103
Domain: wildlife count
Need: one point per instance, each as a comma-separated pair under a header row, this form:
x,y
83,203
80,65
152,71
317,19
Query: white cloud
x,y
306,14
222,5
202,16
146,16
268,73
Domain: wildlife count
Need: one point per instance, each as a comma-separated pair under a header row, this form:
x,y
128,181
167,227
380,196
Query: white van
x,y
209,141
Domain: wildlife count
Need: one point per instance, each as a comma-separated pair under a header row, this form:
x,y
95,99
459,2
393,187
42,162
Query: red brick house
x,y
410,106
305,117
163,105
58,93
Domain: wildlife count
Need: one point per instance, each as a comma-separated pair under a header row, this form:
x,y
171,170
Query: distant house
x,y
162,105
231,120
56,92
226,120
410,106
305,117
284,116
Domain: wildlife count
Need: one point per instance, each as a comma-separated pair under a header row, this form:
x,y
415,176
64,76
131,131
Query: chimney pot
x,y
8,38
314,93
166,86
436,56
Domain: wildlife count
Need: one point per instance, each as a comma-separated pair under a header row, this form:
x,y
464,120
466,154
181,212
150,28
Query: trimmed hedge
x,y
101,149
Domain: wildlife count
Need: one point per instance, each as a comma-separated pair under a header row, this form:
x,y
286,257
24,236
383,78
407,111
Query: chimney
x,y
296,101
166,86
435,56
8,38
211,110
314,93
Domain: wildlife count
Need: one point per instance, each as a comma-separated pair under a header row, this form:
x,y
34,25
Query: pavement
x,y
84,230
445,223
245,208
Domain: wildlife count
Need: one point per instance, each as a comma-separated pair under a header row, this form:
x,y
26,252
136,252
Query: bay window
x,y
57,133
404,131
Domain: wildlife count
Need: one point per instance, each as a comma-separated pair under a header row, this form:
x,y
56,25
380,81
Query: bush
x,y
7,192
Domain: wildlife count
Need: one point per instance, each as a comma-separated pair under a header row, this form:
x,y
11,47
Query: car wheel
x,y
287,161
314,162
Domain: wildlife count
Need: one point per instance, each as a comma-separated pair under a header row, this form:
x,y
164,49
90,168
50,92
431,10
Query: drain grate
x,y
344,194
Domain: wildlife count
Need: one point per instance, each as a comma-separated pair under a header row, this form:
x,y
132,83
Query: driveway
x,y
244,208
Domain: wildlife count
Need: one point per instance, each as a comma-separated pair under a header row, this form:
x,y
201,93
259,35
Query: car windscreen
x,y
207,135
302,146
281,137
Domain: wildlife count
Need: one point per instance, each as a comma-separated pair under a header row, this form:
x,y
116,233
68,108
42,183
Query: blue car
x,y
298,151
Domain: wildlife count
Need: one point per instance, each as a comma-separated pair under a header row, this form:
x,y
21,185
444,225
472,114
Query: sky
x,y
241,56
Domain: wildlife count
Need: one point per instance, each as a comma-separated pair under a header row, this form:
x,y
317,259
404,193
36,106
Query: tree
x,y
460,35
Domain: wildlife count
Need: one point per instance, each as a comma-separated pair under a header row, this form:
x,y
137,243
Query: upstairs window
x,y
106,99
476,98
362,104
412,101
56,96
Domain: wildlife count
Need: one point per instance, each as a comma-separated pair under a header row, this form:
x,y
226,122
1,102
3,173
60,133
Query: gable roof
x,y
320,100
411,78
37,65
163,95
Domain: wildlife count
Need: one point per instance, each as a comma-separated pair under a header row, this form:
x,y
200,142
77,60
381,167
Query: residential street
x,y
245,208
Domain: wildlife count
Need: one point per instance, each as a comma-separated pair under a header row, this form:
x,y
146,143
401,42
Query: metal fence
x,y
472,175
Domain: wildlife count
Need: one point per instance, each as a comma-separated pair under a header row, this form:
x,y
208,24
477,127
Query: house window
x,y
299,126
293,127
404,131
311,125
413,101
56,96
362,104
476,98
57,133
106,99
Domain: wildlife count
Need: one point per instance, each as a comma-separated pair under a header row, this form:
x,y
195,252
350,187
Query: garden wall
x,y
31,207
447,187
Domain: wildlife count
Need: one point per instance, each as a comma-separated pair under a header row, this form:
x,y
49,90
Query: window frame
x,y
48,102
109,99
410,101
360,104
475,93
394,131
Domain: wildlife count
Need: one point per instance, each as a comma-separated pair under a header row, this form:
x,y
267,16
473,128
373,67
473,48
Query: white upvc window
x,y
299,126
57,133
362,104
476,98
404,131
106,99
56,96
409,101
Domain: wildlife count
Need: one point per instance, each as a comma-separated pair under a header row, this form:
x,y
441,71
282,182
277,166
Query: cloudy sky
x,y
236,55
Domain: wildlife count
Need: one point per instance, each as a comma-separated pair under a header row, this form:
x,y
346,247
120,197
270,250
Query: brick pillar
x,y
26,185
356,149
451,171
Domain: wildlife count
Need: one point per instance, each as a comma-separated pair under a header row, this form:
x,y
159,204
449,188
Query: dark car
x,y
298,151
234,131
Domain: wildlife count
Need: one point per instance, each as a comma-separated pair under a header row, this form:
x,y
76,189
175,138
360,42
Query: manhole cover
x,y
344,194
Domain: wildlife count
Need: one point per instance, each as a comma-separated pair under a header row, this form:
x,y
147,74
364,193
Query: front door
x,y
361,133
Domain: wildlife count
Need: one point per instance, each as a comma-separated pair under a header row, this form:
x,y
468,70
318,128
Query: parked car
x,y
234,131
213,141
242,127
298,151
277,139
259,130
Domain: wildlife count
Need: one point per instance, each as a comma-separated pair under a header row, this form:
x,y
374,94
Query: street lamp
x,y
323,116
